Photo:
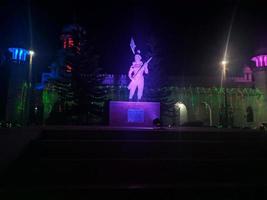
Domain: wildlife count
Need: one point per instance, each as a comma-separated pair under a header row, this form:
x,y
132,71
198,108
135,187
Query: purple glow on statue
x,y
136,74
132,45
260,60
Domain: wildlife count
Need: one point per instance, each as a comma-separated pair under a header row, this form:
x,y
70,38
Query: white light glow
x,y
224,62
31,52
182,112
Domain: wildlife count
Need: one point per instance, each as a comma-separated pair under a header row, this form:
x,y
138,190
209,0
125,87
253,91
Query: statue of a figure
x,y
136,74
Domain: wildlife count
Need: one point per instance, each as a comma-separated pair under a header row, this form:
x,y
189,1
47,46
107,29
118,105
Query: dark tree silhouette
x,y
155,79
156,88
88,91
78,80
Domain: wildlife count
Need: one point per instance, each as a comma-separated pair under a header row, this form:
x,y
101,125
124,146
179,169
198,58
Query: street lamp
x,y
224,68
223,84
31,53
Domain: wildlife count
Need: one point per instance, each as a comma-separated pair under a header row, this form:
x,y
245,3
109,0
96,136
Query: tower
x,y
71,38
260,70
58,84
260,79
18,64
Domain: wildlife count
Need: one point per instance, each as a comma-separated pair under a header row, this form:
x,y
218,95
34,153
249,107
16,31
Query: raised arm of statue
x,y
146,64
145,68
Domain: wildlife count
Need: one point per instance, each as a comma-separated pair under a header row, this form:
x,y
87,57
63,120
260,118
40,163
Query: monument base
x,y
133,114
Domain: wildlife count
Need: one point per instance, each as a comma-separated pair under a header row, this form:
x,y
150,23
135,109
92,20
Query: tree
x,y
89,94
65,69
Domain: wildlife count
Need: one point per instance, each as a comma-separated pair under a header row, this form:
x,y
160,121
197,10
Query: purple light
x,y
123,80
260,60
108,79
133,114
132,45
136,75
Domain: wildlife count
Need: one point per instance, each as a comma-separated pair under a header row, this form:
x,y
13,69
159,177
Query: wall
x,y
238,101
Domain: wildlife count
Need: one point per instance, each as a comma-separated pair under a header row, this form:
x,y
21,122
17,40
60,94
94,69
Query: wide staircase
x,y
196,164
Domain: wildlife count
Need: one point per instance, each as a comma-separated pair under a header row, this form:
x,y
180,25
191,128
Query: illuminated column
x,y
255,59
265,60
18,54
260,60
261,63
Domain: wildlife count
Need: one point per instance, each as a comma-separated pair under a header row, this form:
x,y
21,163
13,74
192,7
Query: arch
x,y
180,113
209,110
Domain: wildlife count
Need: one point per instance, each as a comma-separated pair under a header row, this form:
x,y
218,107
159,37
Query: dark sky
x,y
191,34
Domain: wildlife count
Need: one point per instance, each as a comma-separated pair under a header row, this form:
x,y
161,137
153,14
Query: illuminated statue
x,y
136,74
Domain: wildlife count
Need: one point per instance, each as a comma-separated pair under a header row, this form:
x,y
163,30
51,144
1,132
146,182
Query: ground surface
x,y
77,162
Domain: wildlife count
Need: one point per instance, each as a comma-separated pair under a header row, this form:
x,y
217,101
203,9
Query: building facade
x,y
202,100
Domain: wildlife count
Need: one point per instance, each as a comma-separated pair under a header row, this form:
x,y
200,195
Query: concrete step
x,y
168,149
89,160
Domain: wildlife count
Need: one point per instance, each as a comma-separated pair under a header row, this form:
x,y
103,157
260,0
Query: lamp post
x,y
29,92
31,52
223,83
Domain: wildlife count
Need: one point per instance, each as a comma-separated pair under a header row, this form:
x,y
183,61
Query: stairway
x,y
192,163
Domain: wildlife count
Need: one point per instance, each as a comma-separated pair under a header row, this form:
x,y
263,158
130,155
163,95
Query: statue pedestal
x,y
133,114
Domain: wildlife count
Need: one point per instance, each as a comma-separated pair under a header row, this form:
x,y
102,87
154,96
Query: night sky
x,y
191,34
